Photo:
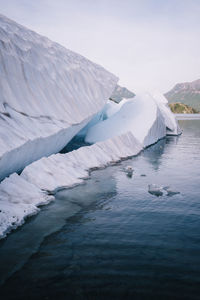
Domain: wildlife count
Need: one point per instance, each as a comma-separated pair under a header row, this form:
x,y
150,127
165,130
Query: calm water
x,y
110,238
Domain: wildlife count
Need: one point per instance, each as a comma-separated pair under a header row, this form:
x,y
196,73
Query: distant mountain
x,y
187,93
180,108
120,93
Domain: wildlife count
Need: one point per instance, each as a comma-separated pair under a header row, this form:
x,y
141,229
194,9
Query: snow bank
x,y
20,195
48,93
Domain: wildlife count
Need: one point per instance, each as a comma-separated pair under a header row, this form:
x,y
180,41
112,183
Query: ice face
x,y
48,93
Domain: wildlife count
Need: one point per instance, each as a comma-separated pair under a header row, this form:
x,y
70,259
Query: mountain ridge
x,y
187,93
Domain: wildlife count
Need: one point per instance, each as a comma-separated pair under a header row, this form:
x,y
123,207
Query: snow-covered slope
x,y
48,93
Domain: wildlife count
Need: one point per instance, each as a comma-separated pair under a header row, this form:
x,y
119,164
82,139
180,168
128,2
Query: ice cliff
x,y
48,93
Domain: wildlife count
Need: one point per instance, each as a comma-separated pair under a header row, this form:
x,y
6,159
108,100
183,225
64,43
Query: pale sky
x,y
148,44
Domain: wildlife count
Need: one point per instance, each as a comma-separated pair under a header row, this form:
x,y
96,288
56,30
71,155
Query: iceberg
x,y
157,190
140,116
48,94
148,118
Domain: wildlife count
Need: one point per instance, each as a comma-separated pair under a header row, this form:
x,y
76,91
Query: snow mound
x,y
48,94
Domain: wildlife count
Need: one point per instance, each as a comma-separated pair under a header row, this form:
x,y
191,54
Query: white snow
x,y
18,200
48,93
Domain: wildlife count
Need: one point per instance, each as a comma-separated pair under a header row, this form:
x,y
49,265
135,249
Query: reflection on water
x,y
154,153
110,238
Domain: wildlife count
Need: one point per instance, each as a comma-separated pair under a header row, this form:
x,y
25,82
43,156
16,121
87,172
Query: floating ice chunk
x,y
129,170
170,192
155,190
160,190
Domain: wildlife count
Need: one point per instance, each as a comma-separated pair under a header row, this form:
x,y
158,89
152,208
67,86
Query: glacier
x,y
49,95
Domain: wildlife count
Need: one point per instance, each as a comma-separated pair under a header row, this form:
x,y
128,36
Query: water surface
x,y
110,238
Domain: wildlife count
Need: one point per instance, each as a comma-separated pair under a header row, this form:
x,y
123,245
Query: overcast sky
x,y
148,44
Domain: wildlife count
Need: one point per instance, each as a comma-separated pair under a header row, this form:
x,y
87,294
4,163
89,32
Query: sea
x,y
110,238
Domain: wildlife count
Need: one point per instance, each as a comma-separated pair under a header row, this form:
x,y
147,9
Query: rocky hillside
x,y
187,93
180,108
121,92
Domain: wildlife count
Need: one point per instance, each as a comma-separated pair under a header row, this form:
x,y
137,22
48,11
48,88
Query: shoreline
x,y
187,116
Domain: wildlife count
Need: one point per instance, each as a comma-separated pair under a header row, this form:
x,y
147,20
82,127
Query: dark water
x,y
110,238
74,144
